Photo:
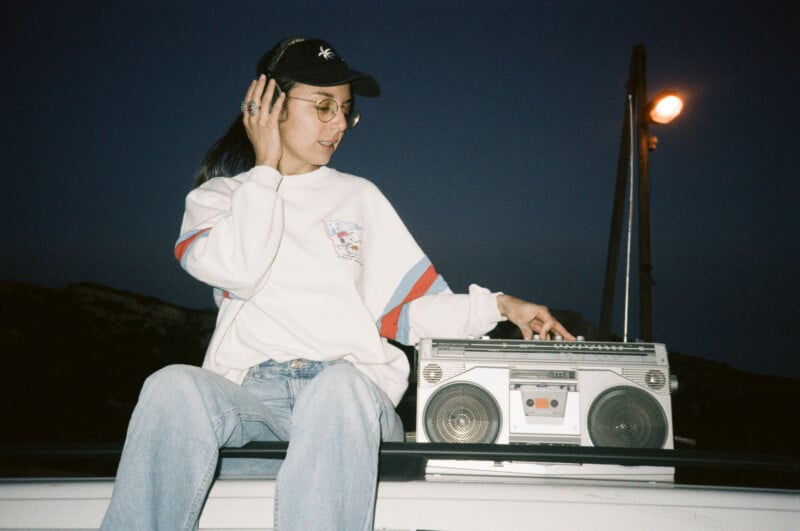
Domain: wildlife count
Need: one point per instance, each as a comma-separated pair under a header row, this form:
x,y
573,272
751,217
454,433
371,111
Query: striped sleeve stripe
x,y
394,324
225,294
403,325
186,241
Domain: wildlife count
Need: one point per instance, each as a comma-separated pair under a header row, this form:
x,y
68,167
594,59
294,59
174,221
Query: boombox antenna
x,y
630,220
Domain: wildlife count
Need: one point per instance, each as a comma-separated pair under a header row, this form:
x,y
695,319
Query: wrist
x,y
267,162
502,304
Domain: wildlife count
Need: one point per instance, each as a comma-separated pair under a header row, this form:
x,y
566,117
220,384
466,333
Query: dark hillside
x,y
74,358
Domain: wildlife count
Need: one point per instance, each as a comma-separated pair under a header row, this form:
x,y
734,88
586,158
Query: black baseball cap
x,y
315,62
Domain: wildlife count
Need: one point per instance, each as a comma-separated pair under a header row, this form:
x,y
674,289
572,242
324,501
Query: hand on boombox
x,y
531,318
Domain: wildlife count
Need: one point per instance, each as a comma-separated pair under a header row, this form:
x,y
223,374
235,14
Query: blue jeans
x,y
333,415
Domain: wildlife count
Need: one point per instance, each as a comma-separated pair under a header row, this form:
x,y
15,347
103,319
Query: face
x,y
308,142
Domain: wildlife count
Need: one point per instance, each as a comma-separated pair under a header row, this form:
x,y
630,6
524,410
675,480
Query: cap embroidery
x,y
326,53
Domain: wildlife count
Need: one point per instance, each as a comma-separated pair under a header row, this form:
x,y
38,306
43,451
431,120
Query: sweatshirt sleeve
x,y
410,297
453,315
231,231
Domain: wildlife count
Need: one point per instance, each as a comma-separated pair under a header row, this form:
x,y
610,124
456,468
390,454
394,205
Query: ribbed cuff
x,y
266,176
485,303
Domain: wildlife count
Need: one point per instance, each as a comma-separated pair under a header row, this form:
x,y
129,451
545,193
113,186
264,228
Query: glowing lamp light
x,y
665,107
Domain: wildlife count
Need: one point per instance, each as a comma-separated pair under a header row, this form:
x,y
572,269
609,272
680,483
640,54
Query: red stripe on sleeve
x,y
390,320
181,247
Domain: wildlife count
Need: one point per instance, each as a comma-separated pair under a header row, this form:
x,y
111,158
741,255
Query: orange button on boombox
x,y
542,403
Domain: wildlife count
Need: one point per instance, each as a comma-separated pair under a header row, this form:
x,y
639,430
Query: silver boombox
x,y
582,393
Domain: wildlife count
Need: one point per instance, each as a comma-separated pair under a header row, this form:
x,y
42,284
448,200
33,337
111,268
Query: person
x,y
314,273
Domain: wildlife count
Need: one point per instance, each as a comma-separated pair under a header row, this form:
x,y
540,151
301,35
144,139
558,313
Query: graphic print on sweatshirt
x,y
346,238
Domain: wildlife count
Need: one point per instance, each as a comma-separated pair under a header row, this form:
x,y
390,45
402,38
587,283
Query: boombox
x,y
580,393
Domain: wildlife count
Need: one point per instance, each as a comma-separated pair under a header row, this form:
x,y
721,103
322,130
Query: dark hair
x,y
233,153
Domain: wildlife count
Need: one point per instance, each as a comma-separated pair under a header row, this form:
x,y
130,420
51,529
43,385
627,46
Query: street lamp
x,y
665,107
661,110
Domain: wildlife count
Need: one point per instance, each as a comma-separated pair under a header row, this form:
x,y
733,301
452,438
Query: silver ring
x,y
250,106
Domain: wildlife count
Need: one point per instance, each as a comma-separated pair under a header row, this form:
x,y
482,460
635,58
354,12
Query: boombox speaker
x,y
544,392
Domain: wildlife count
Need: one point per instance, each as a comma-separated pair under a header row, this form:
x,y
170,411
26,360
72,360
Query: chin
x,y
322,161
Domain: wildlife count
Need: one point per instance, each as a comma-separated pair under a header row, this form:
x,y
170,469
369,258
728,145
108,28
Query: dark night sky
x,y
496,137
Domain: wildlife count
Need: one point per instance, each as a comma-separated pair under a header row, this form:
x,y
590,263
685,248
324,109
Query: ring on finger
x,y
250,106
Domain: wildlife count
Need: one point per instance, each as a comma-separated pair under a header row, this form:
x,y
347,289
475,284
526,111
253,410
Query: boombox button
x,y
541,403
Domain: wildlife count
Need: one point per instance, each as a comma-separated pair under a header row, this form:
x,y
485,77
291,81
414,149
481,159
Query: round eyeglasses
x,y
327,109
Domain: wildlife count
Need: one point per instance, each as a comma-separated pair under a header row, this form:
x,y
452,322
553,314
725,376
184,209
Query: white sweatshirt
x,y
317,266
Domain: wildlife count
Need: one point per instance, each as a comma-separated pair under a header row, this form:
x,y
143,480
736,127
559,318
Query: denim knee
x,y
170,379
342,382
172,393
343,394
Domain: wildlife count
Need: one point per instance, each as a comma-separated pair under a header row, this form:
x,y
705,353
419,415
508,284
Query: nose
x,y
339,120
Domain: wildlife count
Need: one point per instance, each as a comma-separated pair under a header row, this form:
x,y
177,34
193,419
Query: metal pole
x,y
607,304
616,229
645,263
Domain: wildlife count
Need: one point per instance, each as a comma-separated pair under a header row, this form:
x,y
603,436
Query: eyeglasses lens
x,y
327,109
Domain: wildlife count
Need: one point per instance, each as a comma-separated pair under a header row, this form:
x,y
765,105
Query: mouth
x,y
329,144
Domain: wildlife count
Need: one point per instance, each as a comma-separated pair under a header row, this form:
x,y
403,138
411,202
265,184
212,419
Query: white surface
x,y
444,505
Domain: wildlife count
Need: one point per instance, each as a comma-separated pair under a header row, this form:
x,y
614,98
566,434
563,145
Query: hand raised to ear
x,y
262,122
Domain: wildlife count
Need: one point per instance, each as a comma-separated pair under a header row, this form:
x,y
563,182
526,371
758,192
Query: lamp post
x,y
640,112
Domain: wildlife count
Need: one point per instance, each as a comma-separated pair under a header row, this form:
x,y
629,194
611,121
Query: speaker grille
x,y
655,379
462,413
432,373
627,417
